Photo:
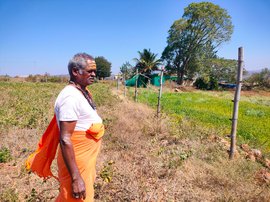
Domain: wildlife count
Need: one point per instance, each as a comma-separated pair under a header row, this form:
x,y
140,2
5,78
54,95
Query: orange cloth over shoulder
x,y
40,161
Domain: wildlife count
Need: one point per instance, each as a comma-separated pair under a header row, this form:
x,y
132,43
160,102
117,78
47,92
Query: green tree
x,y
195,36
215,70
147,61
261,79
127,70
220,69
103,67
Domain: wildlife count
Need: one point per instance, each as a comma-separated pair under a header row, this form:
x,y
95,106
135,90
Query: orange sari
x,y
86,145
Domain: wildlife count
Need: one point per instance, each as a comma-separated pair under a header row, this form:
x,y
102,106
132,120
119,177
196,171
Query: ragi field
x,y
182,156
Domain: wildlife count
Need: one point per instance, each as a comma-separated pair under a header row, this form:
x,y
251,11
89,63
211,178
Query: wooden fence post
x,y
160,93
136,84
124,78
117,82
236,103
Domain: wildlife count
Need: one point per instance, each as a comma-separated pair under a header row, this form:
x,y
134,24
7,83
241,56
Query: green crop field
x,y
214,110
30,105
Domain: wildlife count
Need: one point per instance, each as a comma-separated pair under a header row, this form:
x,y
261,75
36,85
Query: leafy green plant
x,y
5,155
107,172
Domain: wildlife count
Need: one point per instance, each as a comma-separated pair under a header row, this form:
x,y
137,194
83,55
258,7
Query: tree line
x,y
191,51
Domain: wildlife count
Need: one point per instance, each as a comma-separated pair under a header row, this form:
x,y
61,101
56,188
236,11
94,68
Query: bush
x,y
54,79
5,155
261,79
32,78
206,83
4,78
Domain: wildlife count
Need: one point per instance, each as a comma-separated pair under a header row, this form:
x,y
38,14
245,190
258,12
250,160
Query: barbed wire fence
x,y
134,92
158,90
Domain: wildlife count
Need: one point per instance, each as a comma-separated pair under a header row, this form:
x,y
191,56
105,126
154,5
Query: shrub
x,y
4,78
32,78
107,172
54,79
206,83
5,155
261,79
33,196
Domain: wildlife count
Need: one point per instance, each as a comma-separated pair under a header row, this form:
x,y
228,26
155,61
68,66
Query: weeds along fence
x,y
211,110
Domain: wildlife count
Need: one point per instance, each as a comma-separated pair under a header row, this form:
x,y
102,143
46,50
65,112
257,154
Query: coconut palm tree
x,y
147,62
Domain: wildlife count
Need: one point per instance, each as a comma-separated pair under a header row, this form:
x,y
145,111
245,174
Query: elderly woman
x,y
78,128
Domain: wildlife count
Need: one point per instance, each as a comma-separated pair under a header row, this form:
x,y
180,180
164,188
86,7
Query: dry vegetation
x,y
144,159
160,161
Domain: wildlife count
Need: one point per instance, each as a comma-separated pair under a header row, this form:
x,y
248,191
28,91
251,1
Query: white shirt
x,y
71,105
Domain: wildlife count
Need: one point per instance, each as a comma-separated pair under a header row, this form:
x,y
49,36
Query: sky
x,y
41,36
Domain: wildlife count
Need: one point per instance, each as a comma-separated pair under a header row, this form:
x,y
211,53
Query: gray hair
x,y
79,61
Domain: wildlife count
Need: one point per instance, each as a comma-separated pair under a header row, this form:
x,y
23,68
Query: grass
x,y
9,195
102,94
215,111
